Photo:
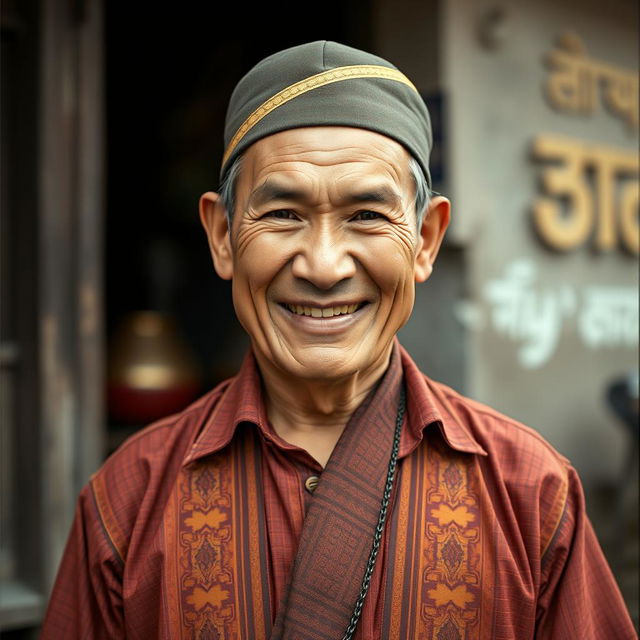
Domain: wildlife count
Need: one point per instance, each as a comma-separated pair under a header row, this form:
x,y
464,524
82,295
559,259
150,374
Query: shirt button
x,y
311,483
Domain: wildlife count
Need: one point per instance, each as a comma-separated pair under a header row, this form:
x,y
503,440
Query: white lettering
x,y
534,317
609,317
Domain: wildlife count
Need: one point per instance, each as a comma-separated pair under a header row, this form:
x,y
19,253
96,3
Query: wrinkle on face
x,y
319,174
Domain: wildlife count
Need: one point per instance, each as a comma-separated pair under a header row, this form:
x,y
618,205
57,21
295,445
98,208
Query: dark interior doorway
x,y
169,74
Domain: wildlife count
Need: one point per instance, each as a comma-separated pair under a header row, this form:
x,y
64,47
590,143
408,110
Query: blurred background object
x,y
623,398
111,128
152,372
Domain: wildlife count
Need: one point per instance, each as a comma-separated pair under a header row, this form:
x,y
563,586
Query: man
x,y
331,490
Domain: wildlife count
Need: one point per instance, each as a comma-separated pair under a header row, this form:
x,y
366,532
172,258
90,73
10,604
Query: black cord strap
x,y
377,536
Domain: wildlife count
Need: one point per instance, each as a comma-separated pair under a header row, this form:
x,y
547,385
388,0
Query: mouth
x,y
323,312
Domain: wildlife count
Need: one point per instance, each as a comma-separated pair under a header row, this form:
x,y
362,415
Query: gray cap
x,y
325,83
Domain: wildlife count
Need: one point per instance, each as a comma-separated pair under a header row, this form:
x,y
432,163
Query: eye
x,y
280,214
369,215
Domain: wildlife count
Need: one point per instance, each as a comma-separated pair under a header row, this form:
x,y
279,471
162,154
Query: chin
x,y
323,363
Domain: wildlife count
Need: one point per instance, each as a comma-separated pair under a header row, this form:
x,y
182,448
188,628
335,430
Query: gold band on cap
x,y
312,82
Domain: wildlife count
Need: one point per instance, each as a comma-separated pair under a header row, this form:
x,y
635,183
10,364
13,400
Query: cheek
x,y
258,258
258,261
390,263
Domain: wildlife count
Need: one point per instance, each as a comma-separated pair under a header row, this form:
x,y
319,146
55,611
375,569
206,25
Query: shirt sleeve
x,y
579,597
86,601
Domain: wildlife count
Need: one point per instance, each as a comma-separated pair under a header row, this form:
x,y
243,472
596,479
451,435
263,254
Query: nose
x,y
324,259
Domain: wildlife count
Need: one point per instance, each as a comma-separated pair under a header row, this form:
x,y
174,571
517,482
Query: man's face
x,y
324,248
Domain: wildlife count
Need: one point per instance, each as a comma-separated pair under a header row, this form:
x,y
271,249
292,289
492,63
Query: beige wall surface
x,y
543,330
549,328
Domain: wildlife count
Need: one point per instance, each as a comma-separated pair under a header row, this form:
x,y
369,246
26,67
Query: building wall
x,y
550,328
544,330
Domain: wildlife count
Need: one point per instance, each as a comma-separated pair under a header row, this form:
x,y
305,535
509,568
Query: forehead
x,y
326,152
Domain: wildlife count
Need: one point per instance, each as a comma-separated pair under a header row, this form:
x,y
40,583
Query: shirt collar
x,y
243,401
427,404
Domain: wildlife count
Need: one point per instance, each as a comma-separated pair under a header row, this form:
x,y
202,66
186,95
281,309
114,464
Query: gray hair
x,y
422,196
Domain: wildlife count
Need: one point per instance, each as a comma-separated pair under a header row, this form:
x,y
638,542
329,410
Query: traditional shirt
x,y
195,526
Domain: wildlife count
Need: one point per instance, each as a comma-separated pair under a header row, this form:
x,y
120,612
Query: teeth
x,y
318,312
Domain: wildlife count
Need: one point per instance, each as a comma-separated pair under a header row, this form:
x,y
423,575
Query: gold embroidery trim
x,y
108,521
548,530
308,84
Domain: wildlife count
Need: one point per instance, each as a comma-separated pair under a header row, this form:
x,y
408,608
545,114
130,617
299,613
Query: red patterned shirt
x,y
487,535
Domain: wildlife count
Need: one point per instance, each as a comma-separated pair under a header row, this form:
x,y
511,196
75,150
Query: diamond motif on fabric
x,y
452,478
208,632
205,557
449,631
452,554
205,483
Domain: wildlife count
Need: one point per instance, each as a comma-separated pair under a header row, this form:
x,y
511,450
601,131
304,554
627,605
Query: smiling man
x,y
324,251
331,490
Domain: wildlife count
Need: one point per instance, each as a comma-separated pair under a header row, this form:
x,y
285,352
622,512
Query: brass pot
x,y
152,372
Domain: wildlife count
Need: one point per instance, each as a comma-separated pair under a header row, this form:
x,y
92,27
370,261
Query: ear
x,y
434,225
214,220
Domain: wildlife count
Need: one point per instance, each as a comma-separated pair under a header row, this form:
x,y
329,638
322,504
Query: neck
x,y
312,413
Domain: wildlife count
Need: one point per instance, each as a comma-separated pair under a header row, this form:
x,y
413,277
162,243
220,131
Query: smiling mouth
x,y
323,312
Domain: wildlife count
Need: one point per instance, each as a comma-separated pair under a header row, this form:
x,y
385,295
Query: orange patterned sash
x,y
435,577
219,536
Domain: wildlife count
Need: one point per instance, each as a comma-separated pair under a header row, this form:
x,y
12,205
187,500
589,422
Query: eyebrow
x,y
380,195
272,190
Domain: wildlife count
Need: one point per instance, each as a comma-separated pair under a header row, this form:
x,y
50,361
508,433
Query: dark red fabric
x,y
332,555
547,573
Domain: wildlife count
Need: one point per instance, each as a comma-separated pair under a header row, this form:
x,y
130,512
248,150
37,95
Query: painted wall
x,y
542,330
